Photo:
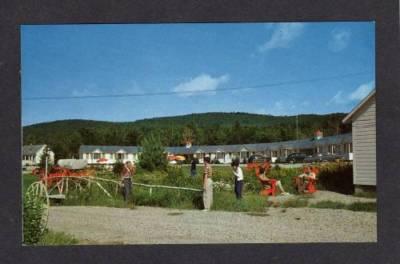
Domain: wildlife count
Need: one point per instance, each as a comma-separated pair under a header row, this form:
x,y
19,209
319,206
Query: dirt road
x,y
149,225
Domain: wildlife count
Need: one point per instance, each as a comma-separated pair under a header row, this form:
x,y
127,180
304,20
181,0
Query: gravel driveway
x,y
150,225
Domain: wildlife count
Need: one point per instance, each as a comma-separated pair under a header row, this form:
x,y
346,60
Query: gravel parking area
x,y
325,196
150,225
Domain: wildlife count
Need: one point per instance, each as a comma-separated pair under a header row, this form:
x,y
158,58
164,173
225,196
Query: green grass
x,y
28,179
356,206
226,201
52,238
181,199
329,205
364,207
368,194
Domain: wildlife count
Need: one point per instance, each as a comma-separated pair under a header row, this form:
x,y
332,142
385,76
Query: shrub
x,y
33,223
153,156
336,178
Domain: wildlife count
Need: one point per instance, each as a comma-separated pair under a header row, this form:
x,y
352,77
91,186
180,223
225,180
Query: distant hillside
x,y
206,128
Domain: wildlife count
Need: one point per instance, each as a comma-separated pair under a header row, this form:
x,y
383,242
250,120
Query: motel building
x,y
107,155
31,155
224,154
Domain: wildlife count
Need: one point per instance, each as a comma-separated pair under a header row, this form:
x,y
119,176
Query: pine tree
x,y
153,155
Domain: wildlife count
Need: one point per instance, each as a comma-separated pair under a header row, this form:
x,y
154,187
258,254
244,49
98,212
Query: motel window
x,y
120,156
220,155
96,155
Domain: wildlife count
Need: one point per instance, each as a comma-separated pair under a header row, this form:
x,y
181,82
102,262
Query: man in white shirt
x,y
238,173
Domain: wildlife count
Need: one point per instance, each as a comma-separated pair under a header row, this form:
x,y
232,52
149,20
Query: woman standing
x,y
126,178
238,173
207,185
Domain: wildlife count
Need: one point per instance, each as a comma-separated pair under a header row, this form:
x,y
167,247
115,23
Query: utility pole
x,y
297,129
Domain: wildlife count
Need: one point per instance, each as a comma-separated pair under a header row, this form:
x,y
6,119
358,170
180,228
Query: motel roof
x,y
257,147
31,149
108,149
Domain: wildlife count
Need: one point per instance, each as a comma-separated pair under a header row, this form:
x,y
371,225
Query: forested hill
x,y
65,136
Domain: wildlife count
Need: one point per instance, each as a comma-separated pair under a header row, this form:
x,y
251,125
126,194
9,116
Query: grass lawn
x,y
27,179
224,200
52,238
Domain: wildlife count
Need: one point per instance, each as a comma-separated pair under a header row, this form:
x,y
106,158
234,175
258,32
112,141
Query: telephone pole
x,y
297,128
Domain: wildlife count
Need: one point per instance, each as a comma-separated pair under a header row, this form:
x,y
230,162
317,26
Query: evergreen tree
x,y
153,155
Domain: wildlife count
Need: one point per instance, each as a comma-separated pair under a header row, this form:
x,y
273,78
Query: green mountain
x,y
65,136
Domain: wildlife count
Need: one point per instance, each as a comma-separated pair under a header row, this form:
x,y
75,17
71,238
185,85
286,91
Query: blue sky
x,y
185,59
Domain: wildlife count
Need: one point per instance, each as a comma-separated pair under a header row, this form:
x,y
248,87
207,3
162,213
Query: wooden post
x,y
150,191
66,185
45,172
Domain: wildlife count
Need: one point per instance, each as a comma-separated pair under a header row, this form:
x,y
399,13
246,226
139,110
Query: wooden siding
x,y
364,144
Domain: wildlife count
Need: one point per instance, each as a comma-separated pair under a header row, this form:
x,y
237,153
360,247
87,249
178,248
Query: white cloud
x,y
201,83
358,94
338,98
282,108
339,40
282,36
362,91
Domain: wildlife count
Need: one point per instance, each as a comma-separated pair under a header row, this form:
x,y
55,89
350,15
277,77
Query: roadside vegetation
x,y
52,238
224,198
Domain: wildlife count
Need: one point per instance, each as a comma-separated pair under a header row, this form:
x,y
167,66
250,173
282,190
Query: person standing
x,y
238,173
207,185
193,171
126,178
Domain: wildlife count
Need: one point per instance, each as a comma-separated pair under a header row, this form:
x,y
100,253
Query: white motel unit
x,y
31,155
363,120
338,144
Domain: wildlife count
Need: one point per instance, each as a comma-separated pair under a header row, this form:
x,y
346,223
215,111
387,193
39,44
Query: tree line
x,y
65,137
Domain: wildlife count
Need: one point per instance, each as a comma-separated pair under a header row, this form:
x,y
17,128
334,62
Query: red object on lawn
x,y
311,186
102,160
268,191
271,183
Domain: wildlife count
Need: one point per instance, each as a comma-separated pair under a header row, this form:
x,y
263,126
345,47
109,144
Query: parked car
x,y
321,157
258,159
292,158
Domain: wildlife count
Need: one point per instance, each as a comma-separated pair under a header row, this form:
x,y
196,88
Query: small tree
x,y
153,156
46,154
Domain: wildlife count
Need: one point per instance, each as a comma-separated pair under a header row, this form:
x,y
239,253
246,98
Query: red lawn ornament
x,y
311,186
269,186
